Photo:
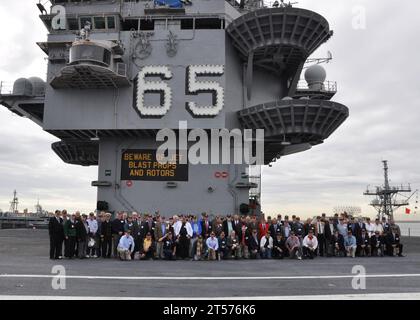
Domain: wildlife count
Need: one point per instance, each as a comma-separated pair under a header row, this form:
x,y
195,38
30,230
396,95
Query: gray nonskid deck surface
x,y
25,253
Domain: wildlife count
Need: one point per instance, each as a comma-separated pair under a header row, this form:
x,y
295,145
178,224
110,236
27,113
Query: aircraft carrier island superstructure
x,y
119,71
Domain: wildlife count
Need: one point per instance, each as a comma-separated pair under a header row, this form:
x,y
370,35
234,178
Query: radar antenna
x,y
313,61
386,202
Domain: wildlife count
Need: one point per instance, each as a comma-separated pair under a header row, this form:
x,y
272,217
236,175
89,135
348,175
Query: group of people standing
x,y
188,237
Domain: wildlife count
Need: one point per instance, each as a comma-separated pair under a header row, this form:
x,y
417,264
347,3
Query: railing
x,y
6,88
328,86
250,4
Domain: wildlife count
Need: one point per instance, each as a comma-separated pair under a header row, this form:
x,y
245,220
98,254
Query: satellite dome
x,y
315,77
38,86
22,87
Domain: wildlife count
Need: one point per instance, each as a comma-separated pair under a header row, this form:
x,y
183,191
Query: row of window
x,y
109,23
98,23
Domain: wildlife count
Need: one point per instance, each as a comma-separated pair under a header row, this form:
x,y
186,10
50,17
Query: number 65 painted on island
x,y
193,87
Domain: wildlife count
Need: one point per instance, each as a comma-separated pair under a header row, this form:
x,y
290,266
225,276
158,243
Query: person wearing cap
x,y
147,250
223,251
279,246
106,236
82,232
396,233
350,243
254,245
293,246
196,228
168,246
298,229
377,244
161,231
70,236
266,246
93,229
234,247
337,248
363,245
212,244
126,246
310,245
274,227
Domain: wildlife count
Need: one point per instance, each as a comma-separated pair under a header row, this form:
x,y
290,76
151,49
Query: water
x,y
413,226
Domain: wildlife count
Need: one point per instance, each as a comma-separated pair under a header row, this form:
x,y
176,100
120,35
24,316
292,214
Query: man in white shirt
x,y
266,246
126,246
379,227
212,246
183,234
310,244
370,228
93,229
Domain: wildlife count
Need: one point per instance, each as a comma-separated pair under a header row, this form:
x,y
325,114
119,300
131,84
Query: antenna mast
x,y
386,202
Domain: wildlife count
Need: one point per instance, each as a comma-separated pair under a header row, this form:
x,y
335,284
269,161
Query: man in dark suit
x,y
337,245
254,245
82,231
206,227
236,223
377,244
393,244
328,233
56,232
363,245
106,236
146,227
275,227
117,226
228,226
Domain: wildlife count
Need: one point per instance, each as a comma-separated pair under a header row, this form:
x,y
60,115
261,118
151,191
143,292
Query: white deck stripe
x,y
369,296
40,276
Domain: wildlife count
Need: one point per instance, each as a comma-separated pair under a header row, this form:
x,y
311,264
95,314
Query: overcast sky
x,y
377,69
